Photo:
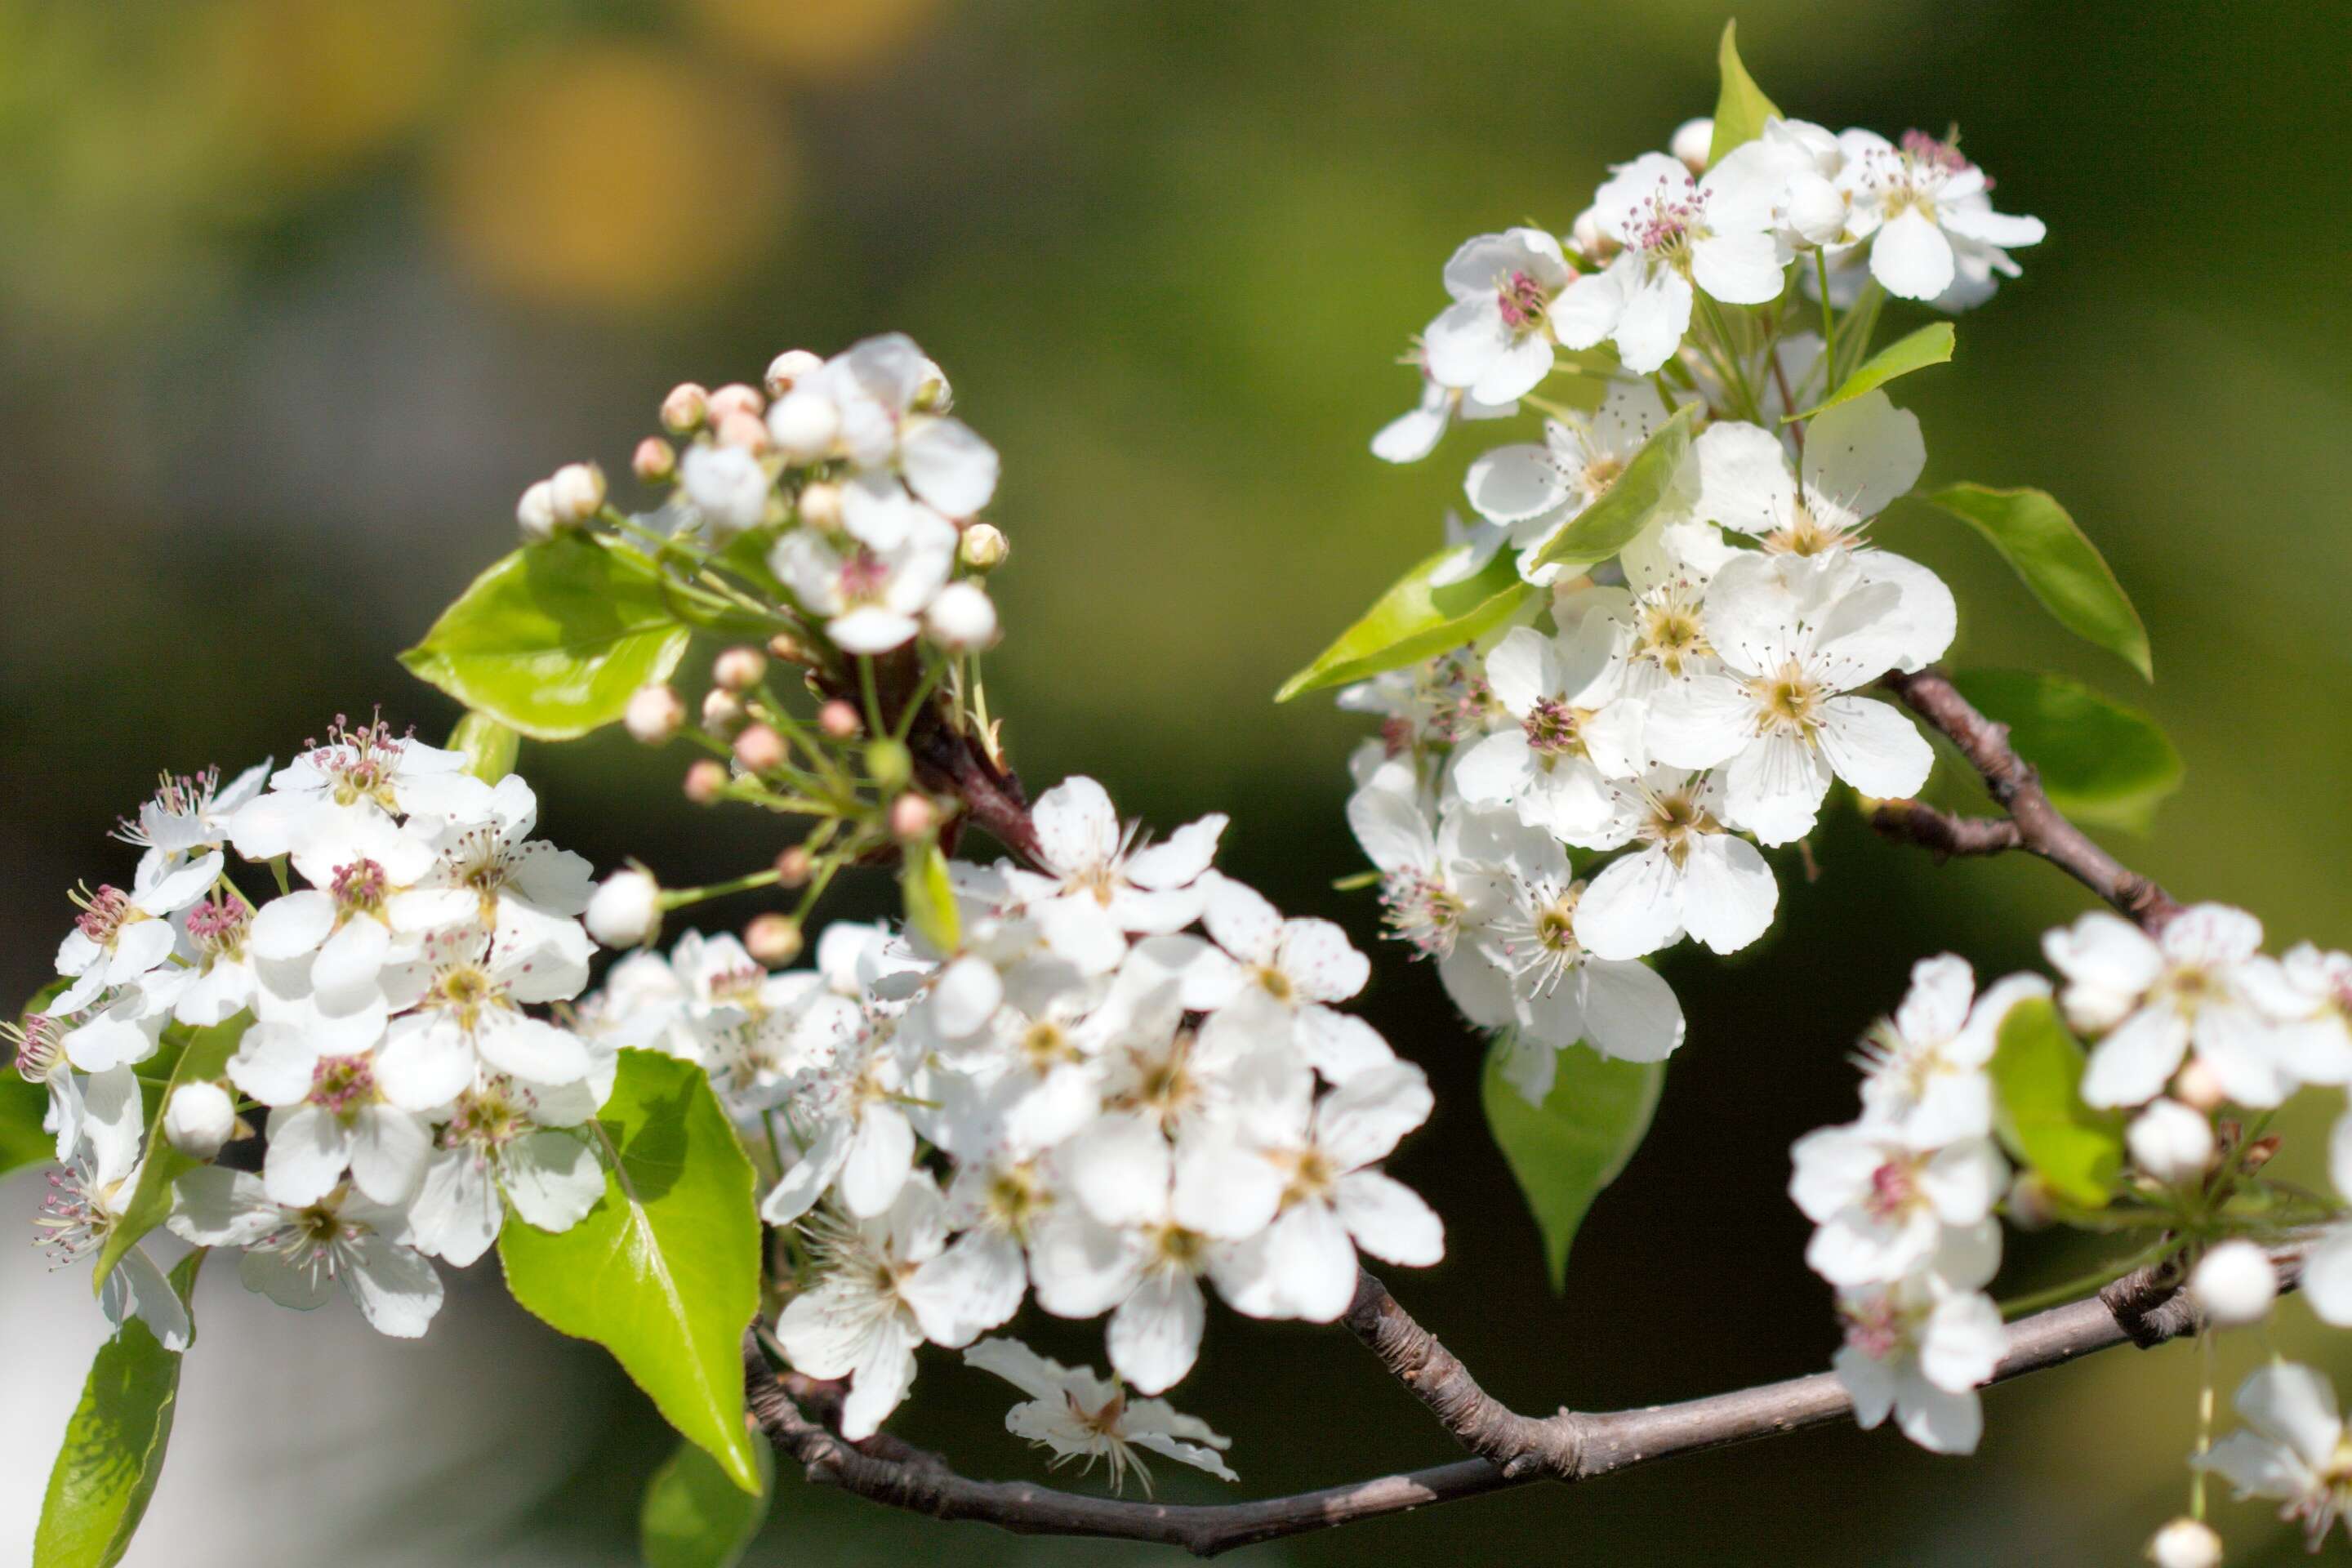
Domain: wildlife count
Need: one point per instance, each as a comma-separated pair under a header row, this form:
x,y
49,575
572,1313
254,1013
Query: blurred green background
x,y
297,295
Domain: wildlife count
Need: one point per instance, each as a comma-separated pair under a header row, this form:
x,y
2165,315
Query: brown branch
x,y
2039,826
2145,1308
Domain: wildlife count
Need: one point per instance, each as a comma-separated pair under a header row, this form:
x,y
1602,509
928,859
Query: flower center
x,y
359,889
217,927
1603,471
1555,926
104,913
1553,728
1312,1175
1877,1327
1174,1246
1276,983
486,1120
1677,821
1522,303
864,577
1045,1045
1015,1196
342,1085
1419,909
1893,1190
1788,703
466,991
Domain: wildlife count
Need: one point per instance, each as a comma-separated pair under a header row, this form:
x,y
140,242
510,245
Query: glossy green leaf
x,y
206,1056
694,1517
1740,108
551,640
489,747
930,898
664,1270
2063,567
1414,621
2037,1075
2100,762
1625,508
112,1456
1931,344
1565,1151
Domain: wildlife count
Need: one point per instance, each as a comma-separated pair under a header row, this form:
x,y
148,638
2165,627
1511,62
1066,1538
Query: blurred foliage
x,y
299,294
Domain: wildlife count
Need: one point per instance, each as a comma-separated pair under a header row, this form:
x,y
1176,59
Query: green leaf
x,y
1931,344
2037,1073
113,1452
1414,621
1740,109
2061,566
664,1270
2100,762
551,640
489,745
930,898
695,1516
1565,1151
204,1057
1625,508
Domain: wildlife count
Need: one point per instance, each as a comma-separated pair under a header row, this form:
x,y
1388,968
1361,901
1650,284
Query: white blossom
x,y
2292,1448
296,1253
1079,1414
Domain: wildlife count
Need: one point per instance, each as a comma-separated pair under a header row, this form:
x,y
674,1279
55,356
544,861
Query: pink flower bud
x,y
740,669
722,712
789,367
654,713
820,505
706,781
736,398
577,491
1692,140
744,430
795,867
683,411
912,815
759,749
839,720
653,460
772,939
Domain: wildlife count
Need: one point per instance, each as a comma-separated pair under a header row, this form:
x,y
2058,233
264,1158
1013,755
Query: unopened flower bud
x,y
200,1118
1693,138
795,867
820,505
805,424
789,368
734,398
2029,1202
722,712
2185,1542
2171,1142
772,939
2234,1285
535,513
759,749
984,547
740,669
683,411
578,490
655,460
2195,1085
1590,241
962,618
626,909
912,815
706,781
744,430
887,762
839,720
654,713
786,646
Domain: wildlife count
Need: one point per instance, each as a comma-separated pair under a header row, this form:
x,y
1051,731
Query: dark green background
x,y
273,370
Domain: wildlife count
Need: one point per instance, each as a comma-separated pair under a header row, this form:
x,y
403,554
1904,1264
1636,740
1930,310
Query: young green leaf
x,y
695,1516
665,1271
2100,762
1931,344
2063,568
1414,621
112,1456
206,1056
551,640
489,746
2037,1075
1565,1151
1740,108
1625,508
930,898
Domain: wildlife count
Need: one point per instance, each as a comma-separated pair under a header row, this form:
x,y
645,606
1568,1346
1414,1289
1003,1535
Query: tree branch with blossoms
x,y
356,1021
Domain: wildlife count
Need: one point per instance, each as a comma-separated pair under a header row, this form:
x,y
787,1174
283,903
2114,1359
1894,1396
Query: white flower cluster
x,y
871,483
1087,1097
410,1094
1666,233
2181,1025
1903,1202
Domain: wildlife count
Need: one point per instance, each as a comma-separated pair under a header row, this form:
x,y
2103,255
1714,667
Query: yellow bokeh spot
x,y
319,83
601,174
814,40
